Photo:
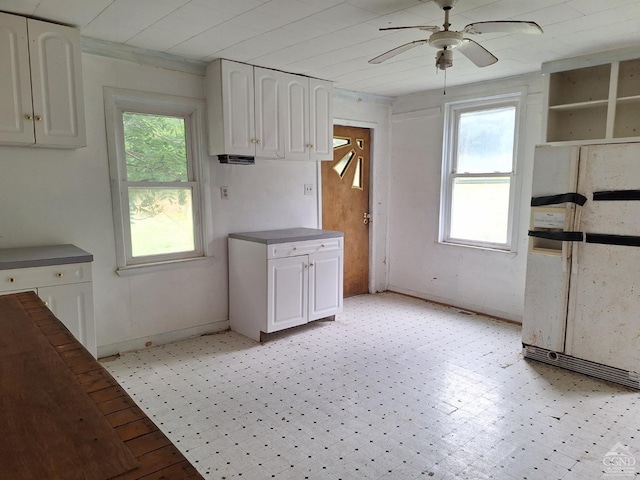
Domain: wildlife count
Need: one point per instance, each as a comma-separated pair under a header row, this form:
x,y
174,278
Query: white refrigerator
x,y
582,294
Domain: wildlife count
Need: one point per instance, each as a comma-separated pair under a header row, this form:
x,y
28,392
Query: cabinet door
x,y
238,109
321,119
15,82
269,113
296,117
287,292
325,284
56,76
73,305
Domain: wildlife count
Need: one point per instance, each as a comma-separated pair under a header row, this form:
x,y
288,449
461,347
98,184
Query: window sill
x,y
163,266
484,248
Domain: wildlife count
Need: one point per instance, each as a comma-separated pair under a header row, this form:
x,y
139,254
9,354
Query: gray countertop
x,y
25,257
287,235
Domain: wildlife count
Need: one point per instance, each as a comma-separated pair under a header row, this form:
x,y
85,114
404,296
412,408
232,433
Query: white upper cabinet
x,y
41,94
254,111
230,108
321,119
269,140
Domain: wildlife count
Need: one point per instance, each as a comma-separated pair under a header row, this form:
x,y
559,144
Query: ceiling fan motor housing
x,y
445,39
446,4
444,59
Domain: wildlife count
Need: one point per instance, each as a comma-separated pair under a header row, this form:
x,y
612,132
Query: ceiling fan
x,y
447,40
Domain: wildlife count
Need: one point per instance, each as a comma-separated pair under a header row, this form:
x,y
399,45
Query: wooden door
x,y
345,202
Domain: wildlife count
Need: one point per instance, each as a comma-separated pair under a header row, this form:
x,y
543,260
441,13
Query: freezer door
x,y
604,307
545,302
555,172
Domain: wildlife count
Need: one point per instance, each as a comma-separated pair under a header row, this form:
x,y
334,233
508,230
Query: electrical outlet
x,y
308,188
224,193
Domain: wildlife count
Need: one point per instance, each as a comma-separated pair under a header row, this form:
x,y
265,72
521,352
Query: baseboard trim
x,y
497,315
161,338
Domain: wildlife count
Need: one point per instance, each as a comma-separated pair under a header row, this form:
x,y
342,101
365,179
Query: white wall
x,y
481,280
63,196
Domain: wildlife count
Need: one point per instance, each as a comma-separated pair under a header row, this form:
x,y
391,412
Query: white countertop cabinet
x,y
41,92
61,276
282,279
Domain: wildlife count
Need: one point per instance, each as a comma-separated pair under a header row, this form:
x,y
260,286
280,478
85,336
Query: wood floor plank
x,y
183,471
136,429
155,461
147,443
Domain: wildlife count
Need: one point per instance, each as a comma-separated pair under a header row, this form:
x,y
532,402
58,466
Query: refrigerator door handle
x,y
577,220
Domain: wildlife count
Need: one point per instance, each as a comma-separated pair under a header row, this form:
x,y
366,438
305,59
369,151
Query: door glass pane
x,y
485,141
161,220
155,147
480,209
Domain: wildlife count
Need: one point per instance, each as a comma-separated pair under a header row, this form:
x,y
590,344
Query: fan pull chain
x,y
444,88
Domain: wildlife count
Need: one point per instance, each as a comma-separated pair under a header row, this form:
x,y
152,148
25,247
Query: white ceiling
x,y
334,39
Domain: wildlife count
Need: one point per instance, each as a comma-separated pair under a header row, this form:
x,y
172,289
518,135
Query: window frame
x,y
119,101
453,110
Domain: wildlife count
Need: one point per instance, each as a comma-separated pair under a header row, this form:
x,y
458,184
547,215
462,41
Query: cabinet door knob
x,y
12,280
258,142
309,145
311,264
60,275
28,116
38,118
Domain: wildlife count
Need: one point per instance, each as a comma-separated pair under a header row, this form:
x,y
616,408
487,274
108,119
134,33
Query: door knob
x,y
367,218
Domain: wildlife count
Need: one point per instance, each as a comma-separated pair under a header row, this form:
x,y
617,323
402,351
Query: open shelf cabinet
x,y
595,103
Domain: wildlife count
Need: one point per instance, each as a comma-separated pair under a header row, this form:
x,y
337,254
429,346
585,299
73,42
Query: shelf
x,y
577,124
580,105
580,85
631,99
627,119
629,78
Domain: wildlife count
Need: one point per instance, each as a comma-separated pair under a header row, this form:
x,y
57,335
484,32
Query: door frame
x,y
372,126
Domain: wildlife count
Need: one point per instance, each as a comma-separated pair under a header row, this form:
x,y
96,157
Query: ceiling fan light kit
x,y
446,41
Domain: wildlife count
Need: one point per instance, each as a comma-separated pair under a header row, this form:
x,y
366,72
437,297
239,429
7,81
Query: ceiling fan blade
x,y
396,51
476,53
506,26
426,28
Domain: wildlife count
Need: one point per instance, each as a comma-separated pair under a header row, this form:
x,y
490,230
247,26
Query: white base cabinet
x,y
65,288
273,286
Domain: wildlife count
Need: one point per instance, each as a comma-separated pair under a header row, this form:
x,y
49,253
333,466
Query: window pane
x,y
480,209
485,141
155,148
161,220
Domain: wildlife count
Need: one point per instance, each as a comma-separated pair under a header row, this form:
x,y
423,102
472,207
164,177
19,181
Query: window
x,y
153,156
477,201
